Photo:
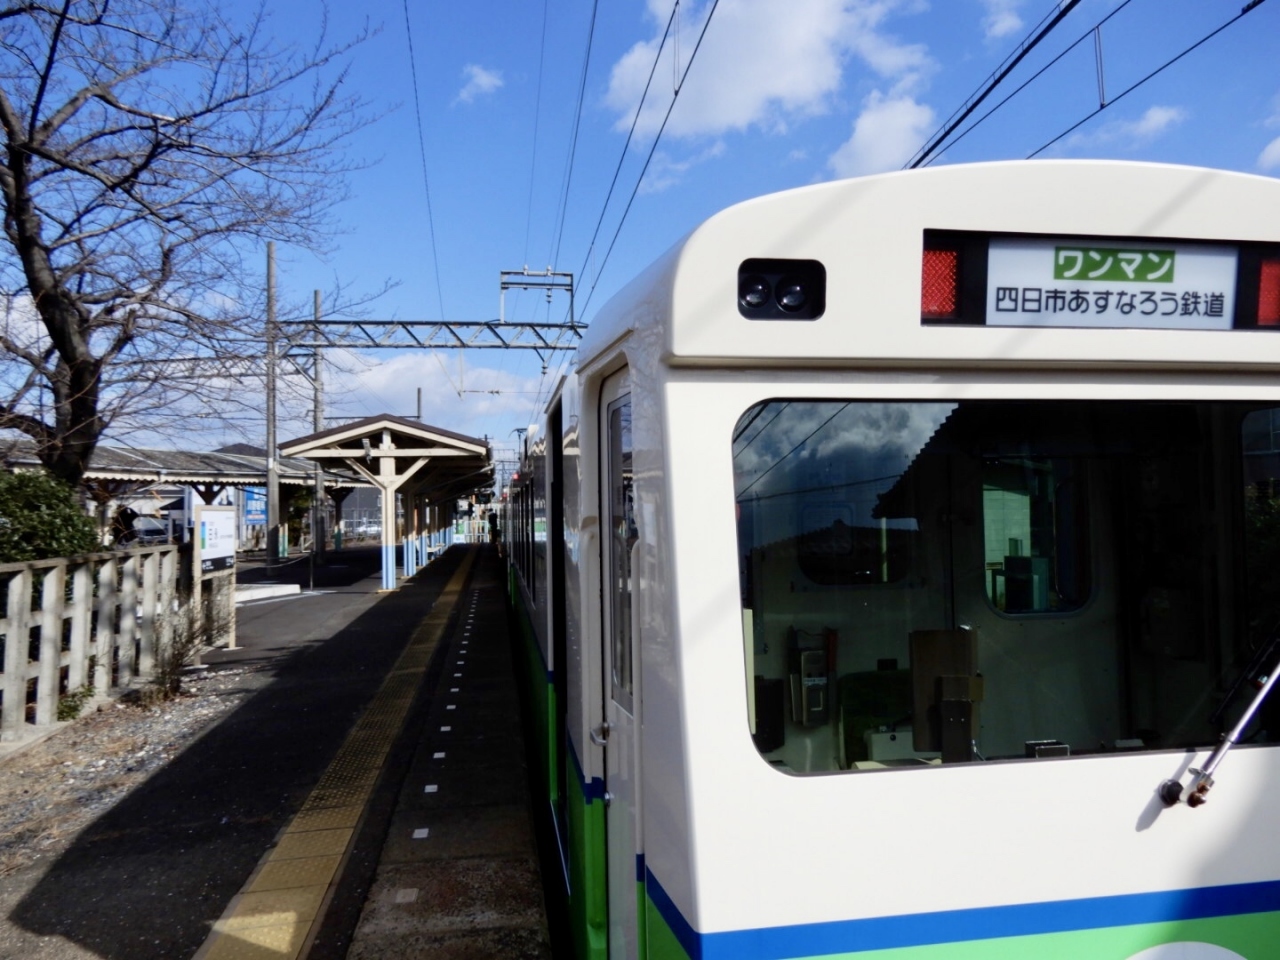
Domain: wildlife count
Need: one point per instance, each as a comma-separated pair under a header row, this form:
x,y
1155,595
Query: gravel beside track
x,y
52,790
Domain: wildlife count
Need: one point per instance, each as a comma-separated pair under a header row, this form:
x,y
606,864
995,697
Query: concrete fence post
x,y
16,630
103,621
52,594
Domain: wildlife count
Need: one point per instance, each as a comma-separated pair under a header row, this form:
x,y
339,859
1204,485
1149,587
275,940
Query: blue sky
x,y
782,93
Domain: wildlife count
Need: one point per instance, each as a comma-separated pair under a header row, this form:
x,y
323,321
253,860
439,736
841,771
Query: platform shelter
x,y
429,467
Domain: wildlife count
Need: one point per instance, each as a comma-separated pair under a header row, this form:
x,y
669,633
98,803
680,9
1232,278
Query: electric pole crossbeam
x,y
526,279
432,334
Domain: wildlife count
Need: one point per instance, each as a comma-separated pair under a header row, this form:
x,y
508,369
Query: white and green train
x,y
910,544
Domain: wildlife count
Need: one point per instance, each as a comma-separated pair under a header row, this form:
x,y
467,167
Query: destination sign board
x,y
1047,282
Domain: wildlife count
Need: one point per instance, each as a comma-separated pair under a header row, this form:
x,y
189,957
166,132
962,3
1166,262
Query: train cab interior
x,y
927,582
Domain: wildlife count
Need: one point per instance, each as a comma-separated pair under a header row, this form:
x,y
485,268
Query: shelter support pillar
x,y
411,558
388,501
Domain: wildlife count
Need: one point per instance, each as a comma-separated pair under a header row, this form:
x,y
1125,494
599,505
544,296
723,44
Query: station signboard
x,y
215,540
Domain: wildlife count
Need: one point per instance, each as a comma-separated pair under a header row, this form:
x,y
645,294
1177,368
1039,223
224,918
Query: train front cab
x,y
953,601
888,659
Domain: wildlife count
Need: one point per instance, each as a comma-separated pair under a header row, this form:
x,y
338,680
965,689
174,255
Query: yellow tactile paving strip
x,y
272,916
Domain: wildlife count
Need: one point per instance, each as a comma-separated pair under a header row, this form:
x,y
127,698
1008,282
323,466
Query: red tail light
x,y
1269,294
939,283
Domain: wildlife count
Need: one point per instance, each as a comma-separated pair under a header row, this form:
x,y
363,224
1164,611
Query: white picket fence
x,y
470,531
101,619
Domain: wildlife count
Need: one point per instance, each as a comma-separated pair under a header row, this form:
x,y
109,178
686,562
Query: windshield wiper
x,y
1171,791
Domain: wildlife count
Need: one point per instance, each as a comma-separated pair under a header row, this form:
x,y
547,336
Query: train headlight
x,y
771,289
792,295
754,291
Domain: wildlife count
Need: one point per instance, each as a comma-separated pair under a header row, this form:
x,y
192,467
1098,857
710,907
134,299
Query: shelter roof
x,y
351,435
176,466
397,453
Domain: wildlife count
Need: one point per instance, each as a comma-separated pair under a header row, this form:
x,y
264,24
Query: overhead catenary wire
x,y
422,151
693,55
518,297
537,116
547,383
657,57
1042,30
517,306
1035,76
1247,9
573,139
426,181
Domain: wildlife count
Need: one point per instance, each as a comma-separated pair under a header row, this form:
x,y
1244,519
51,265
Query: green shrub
x,y
40,518
71,705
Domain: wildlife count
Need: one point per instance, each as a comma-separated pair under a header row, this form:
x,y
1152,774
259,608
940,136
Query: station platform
x,y
417,840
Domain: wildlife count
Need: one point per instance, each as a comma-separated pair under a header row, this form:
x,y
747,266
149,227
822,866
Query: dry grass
x,y
52,790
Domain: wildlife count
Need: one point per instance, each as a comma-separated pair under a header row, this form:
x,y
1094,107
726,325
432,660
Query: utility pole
x,y
273,472
317,423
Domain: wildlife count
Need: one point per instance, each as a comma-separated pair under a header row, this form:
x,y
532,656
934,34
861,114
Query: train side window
x,y
623,536
1035,534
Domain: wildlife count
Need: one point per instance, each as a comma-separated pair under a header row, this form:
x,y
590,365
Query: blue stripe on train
x,y
952,926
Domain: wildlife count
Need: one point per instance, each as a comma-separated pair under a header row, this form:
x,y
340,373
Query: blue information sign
x,y
255,506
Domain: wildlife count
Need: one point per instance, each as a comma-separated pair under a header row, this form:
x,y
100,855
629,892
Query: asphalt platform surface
x,y
449,872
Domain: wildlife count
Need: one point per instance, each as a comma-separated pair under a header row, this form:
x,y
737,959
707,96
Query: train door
x,y
559,634
1030,549
1083,563
618,659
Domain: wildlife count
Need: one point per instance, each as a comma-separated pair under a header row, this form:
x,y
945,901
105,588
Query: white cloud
x,y
1274,119
663,171
1131,134
1002,18
887,132
480,81
1269,159
21,324
1152,123
762,63
361,384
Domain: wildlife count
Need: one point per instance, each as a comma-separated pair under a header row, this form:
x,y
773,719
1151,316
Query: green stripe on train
x,y
588,911
1254,936
663,944
588,916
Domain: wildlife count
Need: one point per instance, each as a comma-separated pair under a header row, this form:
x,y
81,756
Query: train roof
x,y
868,235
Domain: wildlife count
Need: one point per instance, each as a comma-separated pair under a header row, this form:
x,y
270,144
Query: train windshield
x,y
928,583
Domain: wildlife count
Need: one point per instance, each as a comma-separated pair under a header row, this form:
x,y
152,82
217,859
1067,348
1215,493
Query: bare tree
x,y
149,148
